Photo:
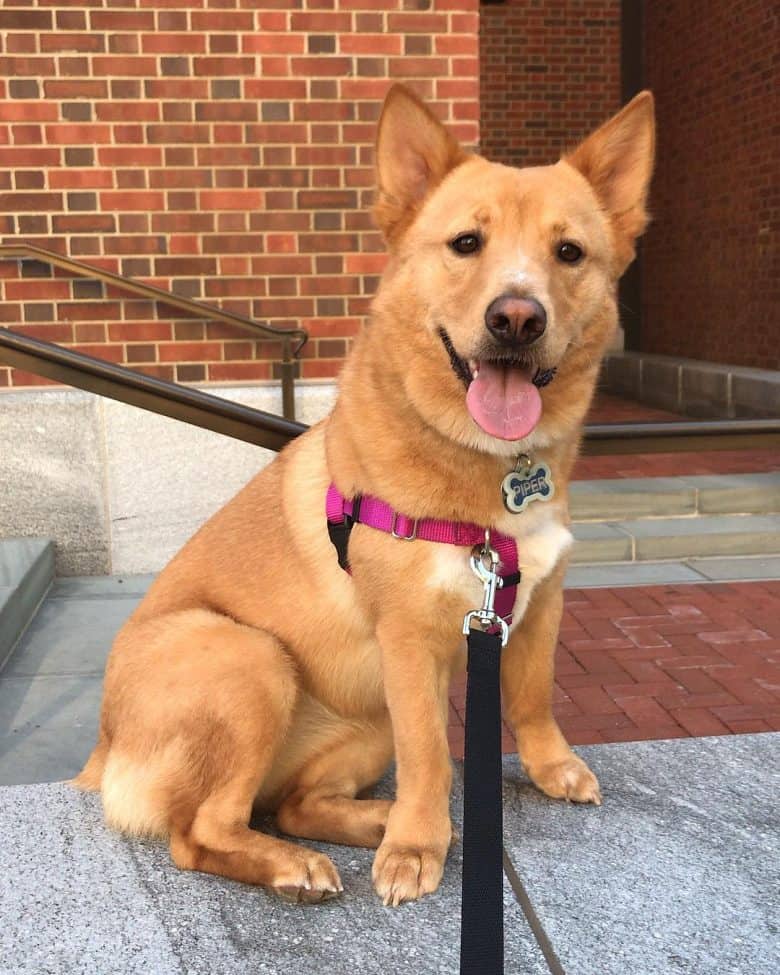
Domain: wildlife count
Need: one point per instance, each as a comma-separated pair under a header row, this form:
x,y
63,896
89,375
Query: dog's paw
x,y
568,779
406,874
308,878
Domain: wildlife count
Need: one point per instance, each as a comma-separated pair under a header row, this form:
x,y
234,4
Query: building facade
x,y
226,154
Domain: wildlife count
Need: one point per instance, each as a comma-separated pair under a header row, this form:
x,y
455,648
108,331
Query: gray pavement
x,y
50,688
77,898
676,873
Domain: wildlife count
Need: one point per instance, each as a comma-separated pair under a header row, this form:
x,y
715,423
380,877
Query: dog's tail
x,y
90,777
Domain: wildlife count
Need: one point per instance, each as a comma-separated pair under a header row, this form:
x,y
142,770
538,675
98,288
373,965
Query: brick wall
x,y
712,262
222,153
549,73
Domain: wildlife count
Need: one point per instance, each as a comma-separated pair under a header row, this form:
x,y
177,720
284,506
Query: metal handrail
x,y
269,430
199,309
147,392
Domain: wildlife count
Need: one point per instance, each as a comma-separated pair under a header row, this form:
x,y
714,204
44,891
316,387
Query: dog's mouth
x,y
502,391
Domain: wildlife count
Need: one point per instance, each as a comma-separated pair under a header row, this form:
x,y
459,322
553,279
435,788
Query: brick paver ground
x,y
607,408
765,460
652,662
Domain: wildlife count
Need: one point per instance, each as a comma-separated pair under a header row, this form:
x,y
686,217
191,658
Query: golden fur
x,y
256,672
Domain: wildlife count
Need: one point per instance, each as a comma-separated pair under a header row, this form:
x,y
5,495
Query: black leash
x,y
482,910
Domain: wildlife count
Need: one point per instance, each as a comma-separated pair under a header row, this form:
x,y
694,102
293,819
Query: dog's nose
x,y
515,321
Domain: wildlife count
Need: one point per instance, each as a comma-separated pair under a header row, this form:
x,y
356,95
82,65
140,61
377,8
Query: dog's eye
x,y
466,244
569,253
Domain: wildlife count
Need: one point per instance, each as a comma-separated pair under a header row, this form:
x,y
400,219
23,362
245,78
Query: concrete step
x,y
643,539
736,568
26,572
664,497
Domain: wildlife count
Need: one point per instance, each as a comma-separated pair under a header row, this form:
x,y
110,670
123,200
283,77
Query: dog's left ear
x,y
617,160
414,152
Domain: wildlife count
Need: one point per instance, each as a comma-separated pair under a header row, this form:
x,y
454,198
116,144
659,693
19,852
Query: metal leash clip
x,y
484,562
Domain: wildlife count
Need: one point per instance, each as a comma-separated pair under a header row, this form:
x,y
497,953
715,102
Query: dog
x,y
264,670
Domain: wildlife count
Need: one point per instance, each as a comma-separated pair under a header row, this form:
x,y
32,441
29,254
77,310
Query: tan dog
x,y
256,672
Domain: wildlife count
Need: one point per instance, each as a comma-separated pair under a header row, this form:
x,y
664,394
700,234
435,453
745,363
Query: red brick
x,y
130,331
238,371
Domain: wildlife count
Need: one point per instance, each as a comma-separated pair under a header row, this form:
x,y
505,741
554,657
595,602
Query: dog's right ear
x,y
414,152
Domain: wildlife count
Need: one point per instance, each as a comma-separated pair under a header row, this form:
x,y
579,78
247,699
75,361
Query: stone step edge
x,y
33,573
633,540
695,570
684,496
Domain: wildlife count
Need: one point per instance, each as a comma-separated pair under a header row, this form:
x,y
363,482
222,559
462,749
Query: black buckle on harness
x,y
339,532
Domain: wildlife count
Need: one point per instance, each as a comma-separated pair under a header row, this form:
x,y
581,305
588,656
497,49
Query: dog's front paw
x,y
307,878
569,779
406,873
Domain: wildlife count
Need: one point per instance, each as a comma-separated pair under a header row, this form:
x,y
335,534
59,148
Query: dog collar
x,y
342,513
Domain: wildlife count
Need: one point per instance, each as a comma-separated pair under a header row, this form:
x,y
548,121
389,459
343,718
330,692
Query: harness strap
x,y
343,513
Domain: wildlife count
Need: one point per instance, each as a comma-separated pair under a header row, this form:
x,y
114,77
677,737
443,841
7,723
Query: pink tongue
x,y
504,402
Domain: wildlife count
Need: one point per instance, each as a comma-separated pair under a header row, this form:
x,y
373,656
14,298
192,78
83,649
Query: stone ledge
x,y
26,572
610,499
691,386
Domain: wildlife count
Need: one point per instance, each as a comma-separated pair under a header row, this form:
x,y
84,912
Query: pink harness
x,y
343,513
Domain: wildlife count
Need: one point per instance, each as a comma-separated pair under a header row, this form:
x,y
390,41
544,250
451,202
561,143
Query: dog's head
x,y
500,291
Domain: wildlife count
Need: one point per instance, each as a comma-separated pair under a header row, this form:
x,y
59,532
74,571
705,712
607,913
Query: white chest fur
x,y
541,538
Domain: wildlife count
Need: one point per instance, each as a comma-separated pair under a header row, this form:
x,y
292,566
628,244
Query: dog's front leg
x,y
527,676
416,669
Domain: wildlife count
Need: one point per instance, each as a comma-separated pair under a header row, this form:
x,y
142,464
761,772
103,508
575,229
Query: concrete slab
x,y
682,538
705,390
69,636
26,572
51,482
732,493
591,575
93,474
676,872
752,568
77,898
660,383
165,478
622,372
101,587
644,497
599,542
50,686
48,726
756,392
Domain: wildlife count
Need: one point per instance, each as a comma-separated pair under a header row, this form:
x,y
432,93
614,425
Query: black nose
x,y
515,321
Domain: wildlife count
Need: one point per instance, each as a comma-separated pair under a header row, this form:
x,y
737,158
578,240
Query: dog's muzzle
x,y
541,377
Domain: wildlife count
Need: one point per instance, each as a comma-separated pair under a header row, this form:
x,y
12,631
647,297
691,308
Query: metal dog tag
x,y
534,483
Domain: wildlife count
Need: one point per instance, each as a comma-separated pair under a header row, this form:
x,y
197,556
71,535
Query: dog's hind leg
x,y
322,803
219,841
197,707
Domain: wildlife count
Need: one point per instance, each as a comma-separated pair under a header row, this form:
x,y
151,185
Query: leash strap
x,y
482,908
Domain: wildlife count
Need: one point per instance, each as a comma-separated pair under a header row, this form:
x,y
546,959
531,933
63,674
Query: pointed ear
x,y
617,160
414,152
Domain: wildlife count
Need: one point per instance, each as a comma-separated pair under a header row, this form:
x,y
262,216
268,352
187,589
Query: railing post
x,y
288,381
